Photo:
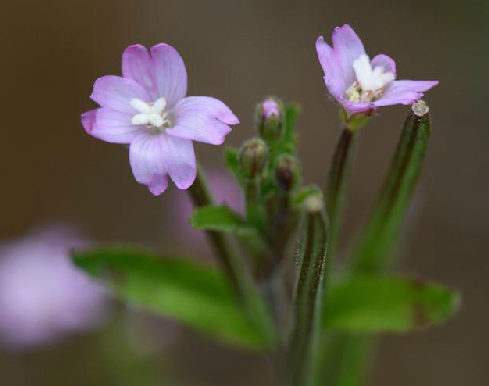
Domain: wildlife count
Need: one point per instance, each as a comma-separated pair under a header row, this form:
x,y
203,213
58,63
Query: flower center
x,y
152,115
370,83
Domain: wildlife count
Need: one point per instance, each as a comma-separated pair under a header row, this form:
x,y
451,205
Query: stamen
x,y
152,115
370,83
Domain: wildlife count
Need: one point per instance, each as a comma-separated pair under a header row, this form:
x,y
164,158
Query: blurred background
x,y
240,52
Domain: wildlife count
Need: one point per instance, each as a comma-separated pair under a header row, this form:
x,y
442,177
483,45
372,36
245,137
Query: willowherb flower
x,y
147,108
361,85
42,295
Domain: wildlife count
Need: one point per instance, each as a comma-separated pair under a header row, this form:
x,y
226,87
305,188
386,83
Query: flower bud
x,y
253,157
314,203
287,172
269,116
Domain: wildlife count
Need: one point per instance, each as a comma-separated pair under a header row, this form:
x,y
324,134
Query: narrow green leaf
x,y
292,111
375,304
193,294
219,218
380,234
223,219
231,159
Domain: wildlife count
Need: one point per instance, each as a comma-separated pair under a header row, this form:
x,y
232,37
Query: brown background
x,y
241,51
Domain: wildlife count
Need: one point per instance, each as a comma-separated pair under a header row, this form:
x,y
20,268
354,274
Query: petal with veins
x,y
404,92
170,73
153,157
347,47
202,119
138,66
116,93
115,127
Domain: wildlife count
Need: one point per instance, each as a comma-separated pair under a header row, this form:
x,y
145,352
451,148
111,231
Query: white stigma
x,y
152,115
370,82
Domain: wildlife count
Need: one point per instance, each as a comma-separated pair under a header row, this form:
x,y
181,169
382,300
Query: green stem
x,y
338,180
235,270
200,196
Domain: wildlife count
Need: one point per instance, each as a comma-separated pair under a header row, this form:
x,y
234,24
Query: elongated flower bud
x,y
253,158
269,119
307,295
287,172
377,240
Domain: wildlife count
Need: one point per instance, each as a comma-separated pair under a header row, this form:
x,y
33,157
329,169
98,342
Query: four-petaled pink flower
x,y
147,108
361,85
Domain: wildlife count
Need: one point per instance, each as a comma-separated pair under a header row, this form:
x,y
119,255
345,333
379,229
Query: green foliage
x,y
220,218
380,304
290,136
174,287
231,159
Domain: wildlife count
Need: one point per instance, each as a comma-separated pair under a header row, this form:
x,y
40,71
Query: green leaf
x,y
292,111
223,219
231,159
193,294
374,251
375,304
219,218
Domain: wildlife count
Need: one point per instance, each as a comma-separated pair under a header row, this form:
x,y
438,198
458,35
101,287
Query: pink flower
x,y
361,85
42,295
147,108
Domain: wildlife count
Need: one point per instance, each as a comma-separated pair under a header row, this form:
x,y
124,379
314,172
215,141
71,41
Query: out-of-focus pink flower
x,y
147,108
361,85
42,295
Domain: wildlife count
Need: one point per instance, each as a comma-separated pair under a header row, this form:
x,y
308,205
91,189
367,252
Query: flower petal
x,y
116,93
170,73
386,62
138,66
180,161
152,157
347,47
115,126
147,162
355,108
333,75
405,92
202,119
88,119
